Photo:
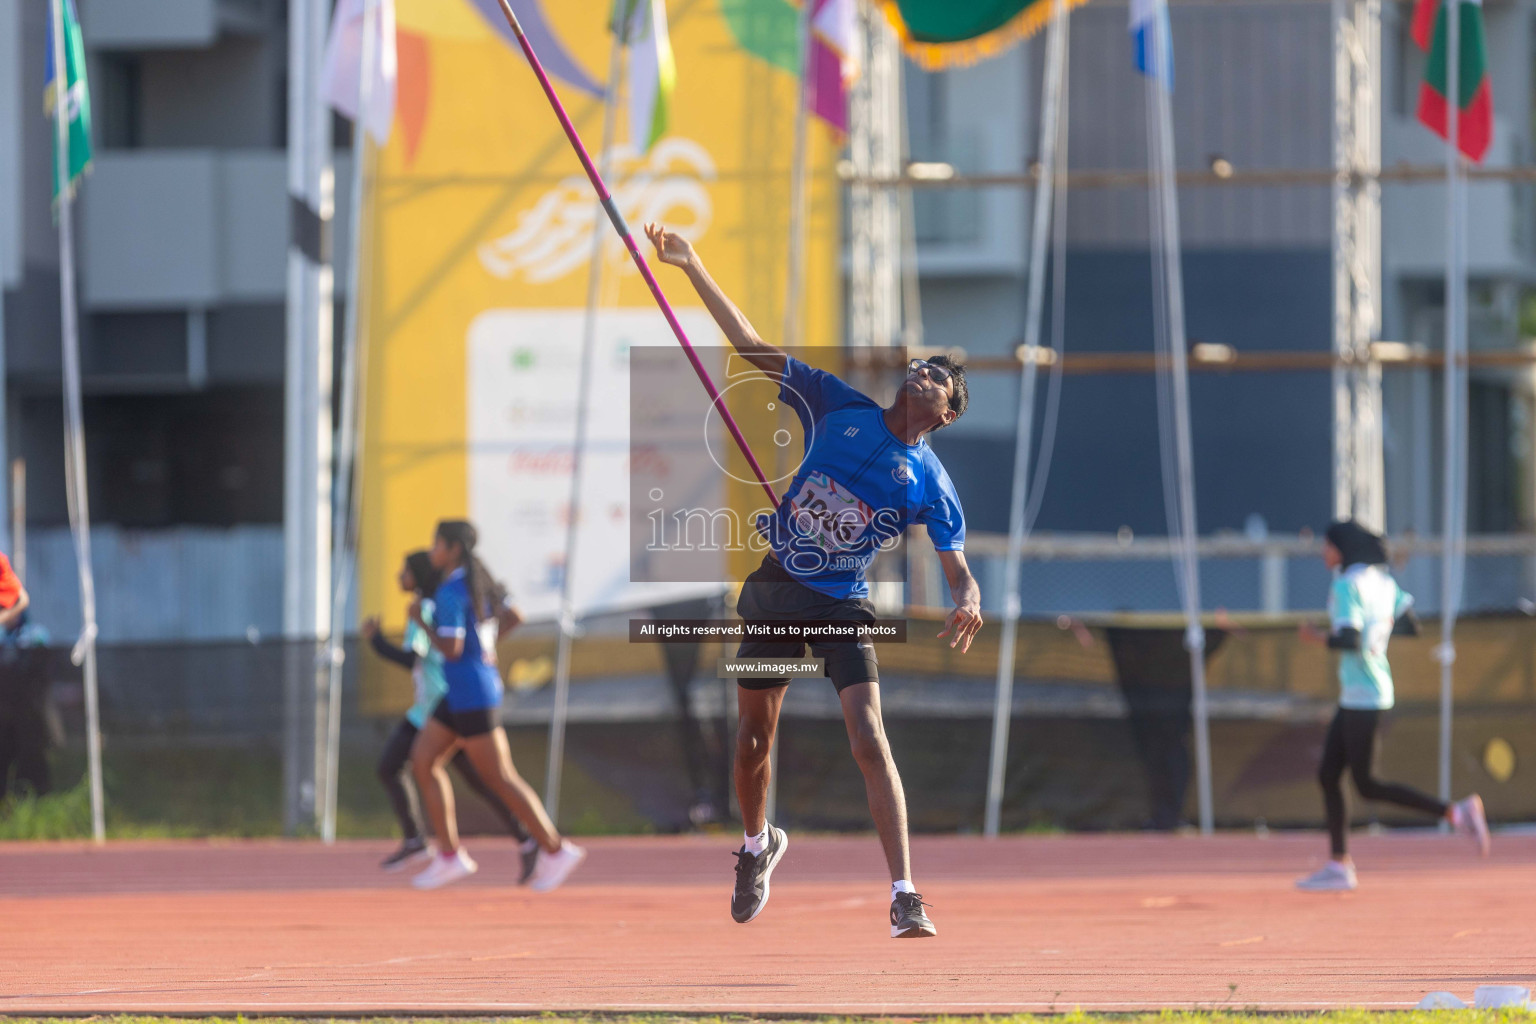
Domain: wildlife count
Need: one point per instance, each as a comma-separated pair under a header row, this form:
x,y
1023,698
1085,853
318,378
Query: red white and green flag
x,y
1431,30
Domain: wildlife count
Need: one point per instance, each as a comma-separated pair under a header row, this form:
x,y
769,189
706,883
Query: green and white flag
x,y
77,97
642,27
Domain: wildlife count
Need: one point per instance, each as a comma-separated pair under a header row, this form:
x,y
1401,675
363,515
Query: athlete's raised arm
x,y
675,250
965,621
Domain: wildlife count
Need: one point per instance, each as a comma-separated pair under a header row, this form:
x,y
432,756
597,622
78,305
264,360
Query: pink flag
x,y
834,60
341,77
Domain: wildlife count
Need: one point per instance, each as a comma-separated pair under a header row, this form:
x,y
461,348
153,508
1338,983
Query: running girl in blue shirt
x,y
469,716
425,663
1366,608
867,473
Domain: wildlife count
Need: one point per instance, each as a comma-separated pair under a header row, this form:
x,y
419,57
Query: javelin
x,y
629,243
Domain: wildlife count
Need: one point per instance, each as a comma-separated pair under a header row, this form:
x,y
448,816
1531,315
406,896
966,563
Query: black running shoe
x,y
907,918
751,894
411,852
530,855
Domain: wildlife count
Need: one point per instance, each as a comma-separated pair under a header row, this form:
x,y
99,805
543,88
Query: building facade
x,y
1254,87
182,234
183,230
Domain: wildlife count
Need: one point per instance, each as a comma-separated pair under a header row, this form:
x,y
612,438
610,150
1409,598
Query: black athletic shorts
x,y
771,594
467,724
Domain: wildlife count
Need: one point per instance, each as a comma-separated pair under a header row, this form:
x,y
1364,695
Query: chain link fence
x,y
221,738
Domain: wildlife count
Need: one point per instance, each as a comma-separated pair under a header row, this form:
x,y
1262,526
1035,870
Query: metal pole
x,y
1453,528
794,279
6,536
1166,207
307,399
10,172
1040,232
911,295
344,494
558,714
619,225
1359,489
19,517
74,429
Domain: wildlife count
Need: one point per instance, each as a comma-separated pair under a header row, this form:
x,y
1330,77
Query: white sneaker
x,y
1331,877
553,869
1469,818
445,868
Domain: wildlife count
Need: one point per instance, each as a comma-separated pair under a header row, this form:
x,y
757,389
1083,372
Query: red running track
x,y
1025,924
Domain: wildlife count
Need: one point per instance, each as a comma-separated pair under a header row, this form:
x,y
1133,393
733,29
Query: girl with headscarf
x,y
1366,608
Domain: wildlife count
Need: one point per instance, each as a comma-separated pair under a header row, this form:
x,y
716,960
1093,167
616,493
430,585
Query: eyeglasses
x,y
937,374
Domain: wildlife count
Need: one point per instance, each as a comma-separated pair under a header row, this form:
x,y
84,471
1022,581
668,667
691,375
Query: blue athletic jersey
x,y
857,489
473,682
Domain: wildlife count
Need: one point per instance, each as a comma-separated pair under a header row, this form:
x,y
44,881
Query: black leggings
x,y
1351,744
392,764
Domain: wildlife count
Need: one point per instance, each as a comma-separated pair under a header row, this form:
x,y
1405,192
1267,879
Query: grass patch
x,y
67,815
64,815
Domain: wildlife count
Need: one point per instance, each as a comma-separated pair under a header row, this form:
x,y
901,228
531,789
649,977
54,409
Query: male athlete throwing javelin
x,y
867,473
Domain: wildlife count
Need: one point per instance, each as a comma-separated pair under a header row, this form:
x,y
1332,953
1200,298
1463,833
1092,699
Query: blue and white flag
x,y
1147,16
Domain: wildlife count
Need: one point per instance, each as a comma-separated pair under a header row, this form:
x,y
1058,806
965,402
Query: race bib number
x,y
826,513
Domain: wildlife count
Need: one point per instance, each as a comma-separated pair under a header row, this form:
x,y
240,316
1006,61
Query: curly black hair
x,y
960,396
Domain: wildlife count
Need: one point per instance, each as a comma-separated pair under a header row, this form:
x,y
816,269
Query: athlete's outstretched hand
x,y
671,247
964,622
962,625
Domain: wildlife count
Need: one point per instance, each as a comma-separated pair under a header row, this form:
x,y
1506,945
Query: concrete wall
x,y
1253,85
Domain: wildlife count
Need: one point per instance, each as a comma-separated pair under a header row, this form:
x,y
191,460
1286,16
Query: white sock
x,y
901,886
1458,815
758,843
529,844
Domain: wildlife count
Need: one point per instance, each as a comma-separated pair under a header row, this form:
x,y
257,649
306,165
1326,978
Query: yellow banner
x,y
481,240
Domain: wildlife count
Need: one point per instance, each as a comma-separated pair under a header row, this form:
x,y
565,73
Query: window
x,y
120,101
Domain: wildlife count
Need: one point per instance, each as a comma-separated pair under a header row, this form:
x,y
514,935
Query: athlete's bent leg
x,y
757,723
882,783
466,769
391,768
434,745
1360,728
1330,776
492,758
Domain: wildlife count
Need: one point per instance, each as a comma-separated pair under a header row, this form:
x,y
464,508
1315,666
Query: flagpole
x,y
794,282
558,715
1168,294
7,540
794,277
1453,503
1040,231
620,226
344,494
308,436
84,652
